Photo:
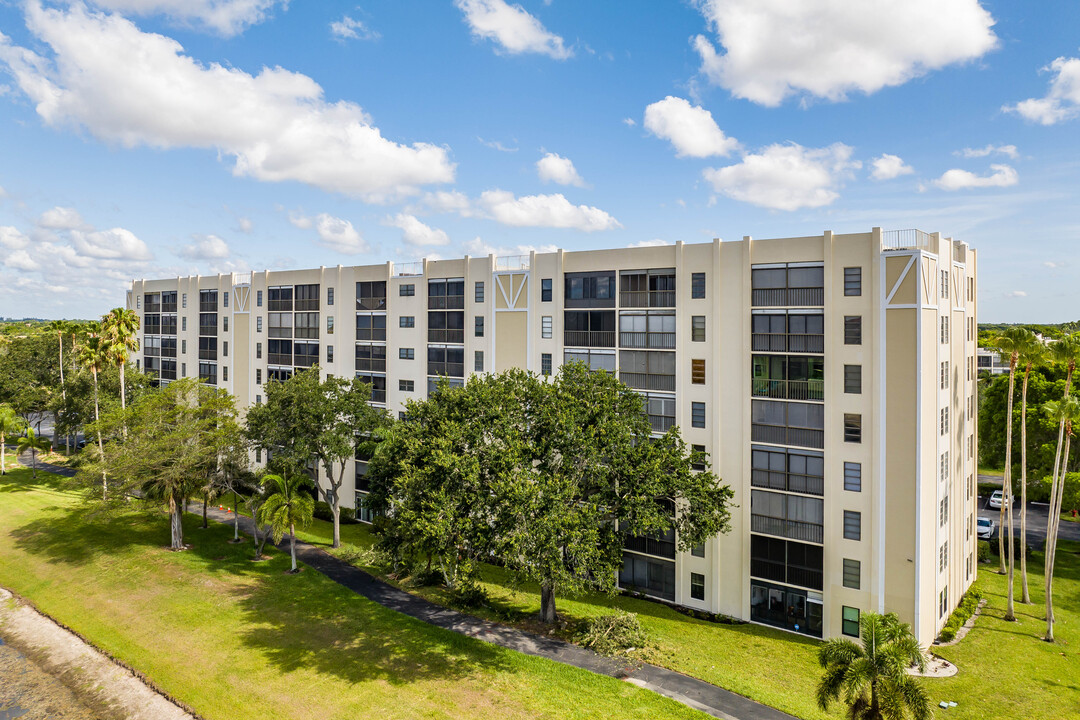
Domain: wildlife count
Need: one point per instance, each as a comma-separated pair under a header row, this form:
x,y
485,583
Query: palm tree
x,y
1033,353
121,330
1067,413
33,443
872,677
10,424
286,508
93,355
1012,341
60,327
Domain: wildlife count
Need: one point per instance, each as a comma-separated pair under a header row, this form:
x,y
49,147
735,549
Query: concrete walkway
x,y
690,691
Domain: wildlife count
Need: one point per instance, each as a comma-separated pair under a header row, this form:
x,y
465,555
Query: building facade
x,y
830,378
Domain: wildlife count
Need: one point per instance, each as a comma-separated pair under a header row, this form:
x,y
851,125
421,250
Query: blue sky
x,y
143,138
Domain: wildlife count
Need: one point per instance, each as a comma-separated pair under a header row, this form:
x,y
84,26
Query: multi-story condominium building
x,y
831,379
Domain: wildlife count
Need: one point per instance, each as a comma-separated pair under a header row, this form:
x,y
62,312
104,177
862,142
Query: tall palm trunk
x,y
63,393
101,445
236,517
1006,485
1025,596
1056,493
3,453
123,395
292,544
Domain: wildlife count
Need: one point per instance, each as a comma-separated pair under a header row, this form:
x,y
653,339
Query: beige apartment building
x,y
831,379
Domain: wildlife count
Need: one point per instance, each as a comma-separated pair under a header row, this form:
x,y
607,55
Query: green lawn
x,y
233,638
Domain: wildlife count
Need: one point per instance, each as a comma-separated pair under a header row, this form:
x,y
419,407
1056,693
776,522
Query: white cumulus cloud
x,y
416,233
553,211
61,218
477,247
1009,150
786,177
225,17
206,247
1062,100
513,29
655,242
21,260
558,169
113,244
340,235
956,179
775,48
134,88
889,166
1016,294
689,128
11,238
348,28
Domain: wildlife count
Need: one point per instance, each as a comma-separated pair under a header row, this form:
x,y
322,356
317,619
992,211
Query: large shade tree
x,y
305,419
11,424
870,676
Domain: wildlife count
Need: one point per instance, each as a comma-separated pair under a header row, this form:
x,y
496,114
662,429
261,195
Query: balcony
x,y
647,298
647,340
905,240
789,389
806,484
788,297
279,358
366,365
446,335
151,307
448,369
648,381
409,268
589,338
661,423
781,435
793,529
787,342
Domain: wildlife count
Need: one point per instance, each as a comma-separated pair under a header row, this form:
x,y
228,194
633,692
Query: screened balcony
x,y
647,288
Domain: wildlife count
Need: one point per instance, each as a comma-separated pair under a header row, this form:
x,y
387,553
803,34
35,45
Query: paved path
x,y
690,691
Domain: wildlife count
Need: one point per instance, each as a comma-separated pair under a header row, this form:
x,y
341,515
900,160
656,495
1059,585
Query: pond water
x,y
27,692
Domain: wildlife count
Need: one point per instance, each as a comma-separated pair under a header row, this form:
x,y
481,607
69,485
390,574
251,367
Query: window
x,y
590,328
478,324
852,281
329,353
545,327
225,324
944,466
478,361
800,471
307,296
850,621
407,321
590,289
545,290
183,299
943,602
852,525
697,328
224,372
225,299
406,385
479,292
225,348
258,451
944,330
943,556
647,370
697,586
258,324
545,363
183,324
853,379
787,423
661,411
329,324
407,290
370,326
183,369
406,353
697,414
943,511
329,296
852,428
370,295
797,284
446,360
945,375
697,461
852,573
945,284
138,302
307,325
853,476
697,285
258,376
697,372
698,550
853,330
258,299
944,421
183,346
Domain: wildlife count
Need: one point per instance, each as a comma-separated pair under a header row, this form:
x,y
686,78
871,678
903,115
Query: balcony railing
x,y
168,307
589,338
648,381
788,342
371,364
448,369
808,484
659,547
790,389
905,239
788,297
782,435
661,423
792,529
208,305
647,298
305,360
208,330
208,354
371,303
657,340
279,358
152,307
209,379
409,268
445,335
512,262
446,302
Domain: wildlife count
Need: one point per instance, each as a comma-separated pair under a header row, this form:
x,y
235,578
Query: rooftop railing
x,y
409,268
905,240
512,262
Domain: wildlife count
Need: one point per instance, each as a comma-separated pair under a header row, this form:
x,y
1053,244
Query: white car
x,y
995,499
984,528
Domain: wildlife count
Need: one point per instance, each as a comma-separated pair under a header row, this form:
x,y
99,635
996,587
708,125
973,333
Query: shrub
x,y
348,515
322,511
984,551
968,604
613,634
468,594
363,557
1016,546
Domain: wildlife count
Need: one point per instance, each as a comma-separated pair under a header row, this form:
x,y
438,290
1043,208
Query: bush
x,y
468,594
1016,545
613,634
322,511
984,551
363,557
348,515
963,612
